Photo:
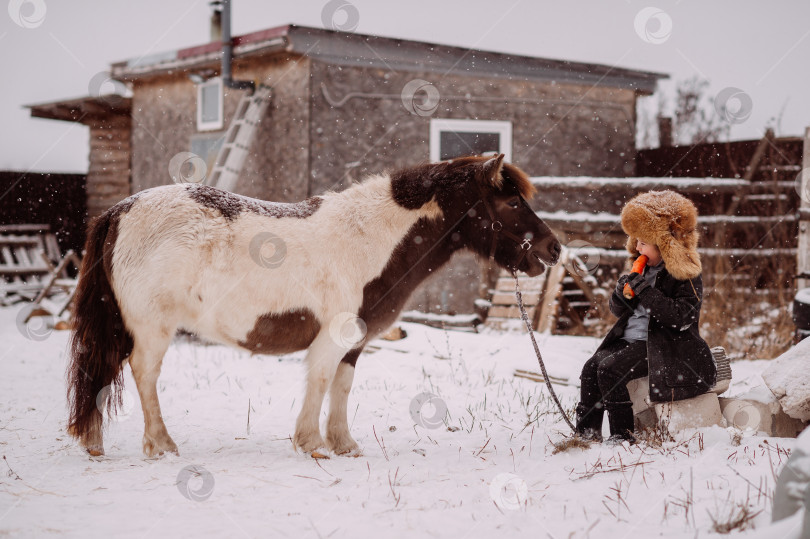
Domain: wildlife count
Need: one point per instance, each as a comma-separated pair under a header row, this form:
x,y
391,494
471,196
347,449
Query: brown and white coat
x,y
326,275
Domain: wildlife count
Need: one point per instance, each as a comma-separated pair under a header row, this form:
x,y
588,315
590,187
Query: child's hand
x,y
638,283
620,285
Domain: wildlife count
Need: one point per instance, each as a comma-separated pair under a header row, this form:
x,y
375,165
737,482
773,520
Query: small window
x,y
454,138
209,105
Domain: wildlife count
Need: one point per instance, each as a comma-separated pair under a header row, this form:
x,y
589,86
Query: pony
x,y
326,275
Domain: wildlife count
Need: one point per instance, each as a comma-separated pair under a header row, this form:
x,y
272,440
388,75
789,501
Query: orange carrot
x,y
638,267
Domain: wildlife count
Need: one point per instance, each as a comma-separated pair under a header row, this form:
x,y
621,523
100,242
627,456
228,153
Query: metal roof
x,y
351,49
83,109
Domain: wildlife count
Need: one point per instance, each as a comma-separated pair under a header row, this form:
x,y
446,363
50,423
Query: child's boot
x,y
589,421
621,421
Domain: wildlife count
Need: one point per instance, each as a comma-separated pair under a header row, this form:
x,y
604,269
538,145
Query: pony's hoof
x,y
352,453
321,454
343,445
95,450
310,443
153,449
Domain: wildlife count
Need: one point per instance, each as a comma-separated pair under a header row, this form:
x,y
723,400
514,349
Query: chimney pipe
x,y
664,132
216,20
227,53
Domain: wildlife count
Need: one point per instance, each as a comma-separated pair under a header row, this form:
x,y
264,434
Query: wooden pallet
x,y
543,297
30,263
504,311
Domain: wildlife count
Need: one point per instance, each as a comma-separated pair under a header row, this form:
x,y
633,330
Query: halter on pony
x,y
497,227
525,246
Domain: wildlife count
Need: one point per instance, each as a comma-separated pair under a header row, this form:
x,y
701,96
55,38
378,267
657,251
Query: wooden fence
x,y
747,222
749,235
58,200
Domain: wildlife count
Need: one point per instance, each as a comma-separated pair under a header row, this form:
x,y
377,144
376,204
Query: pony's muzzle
x,y
547,252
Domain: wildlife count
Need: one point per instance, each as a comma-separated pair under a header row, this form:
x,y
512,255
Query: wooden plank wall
x,y
108,175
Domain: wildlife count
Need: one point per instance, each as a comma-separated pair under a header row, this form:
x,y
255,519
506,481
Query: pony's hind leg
x,y
92,440
145,361
337,427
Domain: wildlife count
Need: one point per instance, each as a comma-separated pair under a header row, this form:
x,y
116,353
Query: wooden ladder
x,y
543,296
239,138
504,312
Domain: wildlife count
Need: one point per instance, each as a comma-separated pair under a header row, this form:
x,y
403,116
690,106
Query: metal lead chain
x,y
537,350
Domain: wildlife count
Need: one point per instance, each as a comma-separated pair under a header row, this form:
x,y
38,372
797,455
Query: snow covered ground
x,y
493,472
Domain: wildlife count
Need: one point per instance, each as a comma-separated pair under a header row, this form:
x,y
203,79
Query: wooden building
x,y
345,105
109,178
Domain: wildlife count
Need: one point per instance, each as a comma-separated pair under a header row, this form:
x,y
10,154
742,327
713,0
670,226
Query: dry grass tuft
x,y
738,519
655,436
745,305
574,442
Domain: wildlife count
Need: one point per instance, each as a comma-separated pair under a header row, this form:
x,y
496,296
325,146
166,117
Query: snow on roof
x,y
803,296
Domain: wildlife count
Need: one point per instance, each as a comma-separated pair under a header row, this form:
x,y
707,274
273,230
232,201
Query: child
x,y
657,331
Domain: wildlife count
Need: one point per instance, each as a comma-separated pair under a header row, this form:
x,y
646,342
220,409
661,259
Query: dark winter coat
x,y
680,362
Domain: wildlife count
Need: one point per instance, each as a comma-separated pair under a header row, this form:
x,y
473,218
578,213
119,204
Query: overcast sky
x,y
760,47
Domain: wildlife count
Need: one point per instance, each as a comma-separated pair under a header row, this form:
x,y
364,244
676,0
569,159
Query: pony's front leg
x,y
322,361
337,427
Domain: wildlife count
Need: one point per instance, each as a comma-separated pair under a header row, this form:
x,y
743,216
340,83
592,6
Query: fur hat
x,y
668,220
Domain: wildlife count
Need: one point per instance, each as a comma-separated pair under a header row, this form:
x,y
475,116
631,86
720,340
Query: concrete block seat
x,y
701,411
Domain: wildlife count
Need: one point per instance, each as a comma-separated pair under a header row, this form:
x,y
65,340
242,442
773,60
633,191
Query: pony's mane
x,y
520,179
509,173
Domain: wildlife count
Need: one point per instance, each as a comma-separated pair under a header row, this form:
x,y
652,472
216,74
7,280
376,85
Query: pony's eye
x,y
513,202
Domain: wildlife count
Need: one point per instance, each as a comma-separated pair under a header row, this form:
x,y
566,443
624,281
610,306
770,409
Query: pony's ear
x,y
413,188
492,172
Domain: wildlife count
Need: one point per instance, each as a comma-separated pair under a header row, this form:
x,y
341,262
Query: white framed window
x,y
209,105
454,138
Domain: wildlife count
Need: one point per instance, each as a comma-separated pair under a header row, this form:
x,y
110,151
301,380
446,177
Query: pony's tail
x,y
100,342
